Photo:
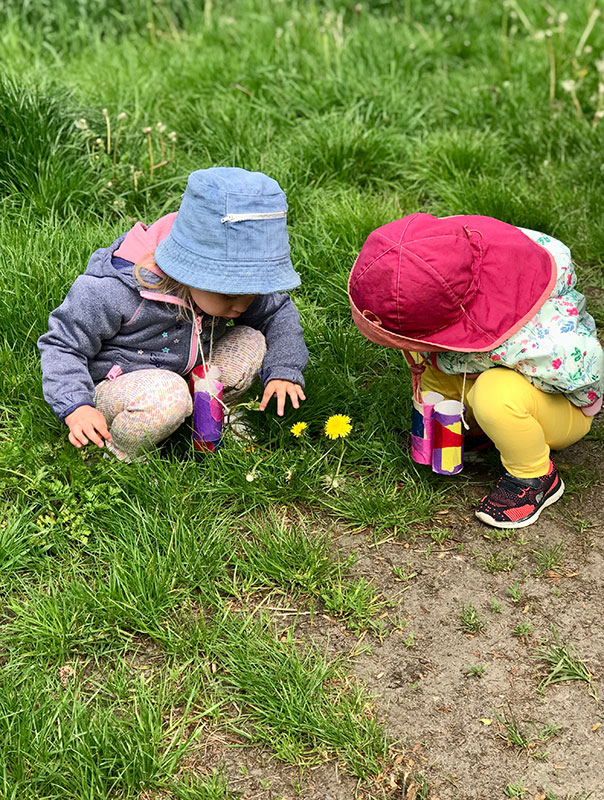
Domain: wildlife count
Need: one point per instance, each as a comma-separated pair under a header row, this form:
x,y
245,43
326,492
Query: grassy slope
x,y
362,115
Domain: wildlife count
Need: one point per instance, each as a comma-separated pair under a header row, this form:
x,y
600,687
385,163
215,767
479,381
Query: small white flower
x,y
466,43
600,65
109,184
599,114
81,124
539,36
449,18
278,33
506,84
549,33
562,18
122,115
161,127
147,130
98,141
251,476
568,86
105,112
172,136
588,49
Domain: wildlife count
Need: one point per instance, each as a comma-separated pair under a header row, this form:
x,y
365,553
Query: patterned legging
x,y
144,407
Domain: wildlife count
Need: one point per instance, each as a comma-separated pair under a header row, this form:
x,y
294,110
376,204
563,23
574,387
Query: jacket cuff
x,y
72,408
283,374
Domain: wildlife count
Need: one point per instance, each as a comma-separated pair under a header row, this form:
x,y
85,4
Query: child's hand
x,y
87,423
281,389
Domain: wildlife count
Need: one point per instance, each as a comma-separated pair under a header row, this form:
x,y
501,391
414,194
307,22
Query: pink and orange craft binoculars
x,y
437,434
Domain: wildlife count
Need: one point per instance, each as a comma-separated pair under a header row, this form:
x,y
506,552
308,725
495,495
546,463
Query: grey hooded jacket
x,y
109,319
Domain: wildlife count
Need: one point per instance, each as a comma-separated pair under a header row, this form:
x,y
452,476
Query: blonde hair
x,y
165,285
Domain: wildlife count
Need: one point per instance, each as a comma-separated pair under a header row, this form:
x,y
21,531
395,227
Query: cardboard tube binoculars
x,y
437,434
208,411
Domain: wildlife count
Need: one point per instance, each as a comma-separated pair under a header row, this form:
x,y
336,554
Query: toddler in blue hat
x,y
208,283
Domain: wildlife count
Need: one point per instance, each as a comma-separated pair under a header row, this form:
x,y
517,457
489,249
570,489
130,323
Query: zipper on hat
x,y
244,217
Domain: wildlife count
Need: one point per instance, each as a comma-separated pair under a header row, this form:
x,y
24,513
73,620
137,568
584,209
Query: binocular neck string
x,y
463,394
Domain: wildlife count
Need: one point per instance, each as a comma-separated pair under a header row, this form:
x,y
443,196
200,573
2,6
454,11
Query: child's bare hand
x,y
281,389
87,424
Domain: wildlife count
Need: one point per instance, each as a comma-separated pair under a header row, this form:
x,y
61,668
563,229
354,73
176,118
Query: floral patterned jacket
x,y
557,350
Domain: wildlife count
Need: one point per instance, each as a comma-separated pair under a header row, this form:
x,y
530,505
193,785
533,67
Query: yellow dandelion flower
x,y
298,429
338,426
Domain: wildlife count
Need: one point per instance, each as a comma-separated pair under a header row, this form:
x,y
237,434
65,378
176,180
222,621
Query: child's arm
x,y
276,317
76,331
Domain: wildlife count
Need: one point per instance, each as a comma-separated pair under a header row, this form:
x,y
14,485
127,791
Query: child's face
x,y
228,306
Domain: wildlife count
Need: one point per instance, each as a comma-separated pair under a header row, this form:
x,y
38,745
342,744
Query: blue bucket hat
x,y
230,235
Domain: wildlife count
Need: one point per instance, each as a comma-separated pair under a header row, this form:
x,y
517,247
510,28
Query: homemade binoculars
x,y
436,433
208,408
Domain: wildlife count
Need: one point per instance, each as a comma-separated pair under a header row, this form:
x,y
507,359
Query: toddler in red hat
x,y
487,314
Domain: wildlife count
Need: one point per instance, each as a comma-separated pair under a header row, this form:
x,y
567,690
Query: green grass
x,y
469,619
363,114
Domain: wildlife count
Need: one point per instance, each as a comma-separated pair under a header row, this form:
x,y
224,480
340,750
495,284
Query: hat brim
x,y
225,277
475,339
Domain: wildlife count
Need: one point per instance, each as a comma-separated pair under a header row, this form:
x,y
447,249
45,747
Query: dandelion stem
x,y
552,69
588,29
340,461
576,103
117,138
504,40
108,126
150,143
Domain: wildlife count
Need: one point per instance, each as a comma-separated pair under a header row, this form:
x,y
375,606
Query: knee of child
x,y
258,343
180,399
171,397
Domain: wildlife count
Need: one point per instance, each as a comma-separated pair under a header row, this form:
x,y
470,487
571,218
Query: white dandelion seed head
x,y
122,115
81,124
161,127
147,130
105,112
250,477
562,18
539,36
172,136
569,85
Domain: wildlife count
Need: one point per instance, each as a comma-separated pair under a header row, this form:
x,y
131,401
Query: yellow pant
x,y
521,420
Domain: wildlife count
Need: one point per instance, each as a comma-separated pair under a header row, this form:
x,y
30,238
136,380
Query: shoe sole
x,y
522,523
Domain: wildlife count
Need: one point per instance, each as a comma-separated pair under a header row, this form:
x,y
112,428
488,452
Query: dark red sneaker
x,y
517,502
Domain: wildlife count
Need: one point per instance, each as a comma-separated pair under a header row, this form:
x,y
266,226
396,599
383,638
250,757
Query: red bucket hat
x,y
463,283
